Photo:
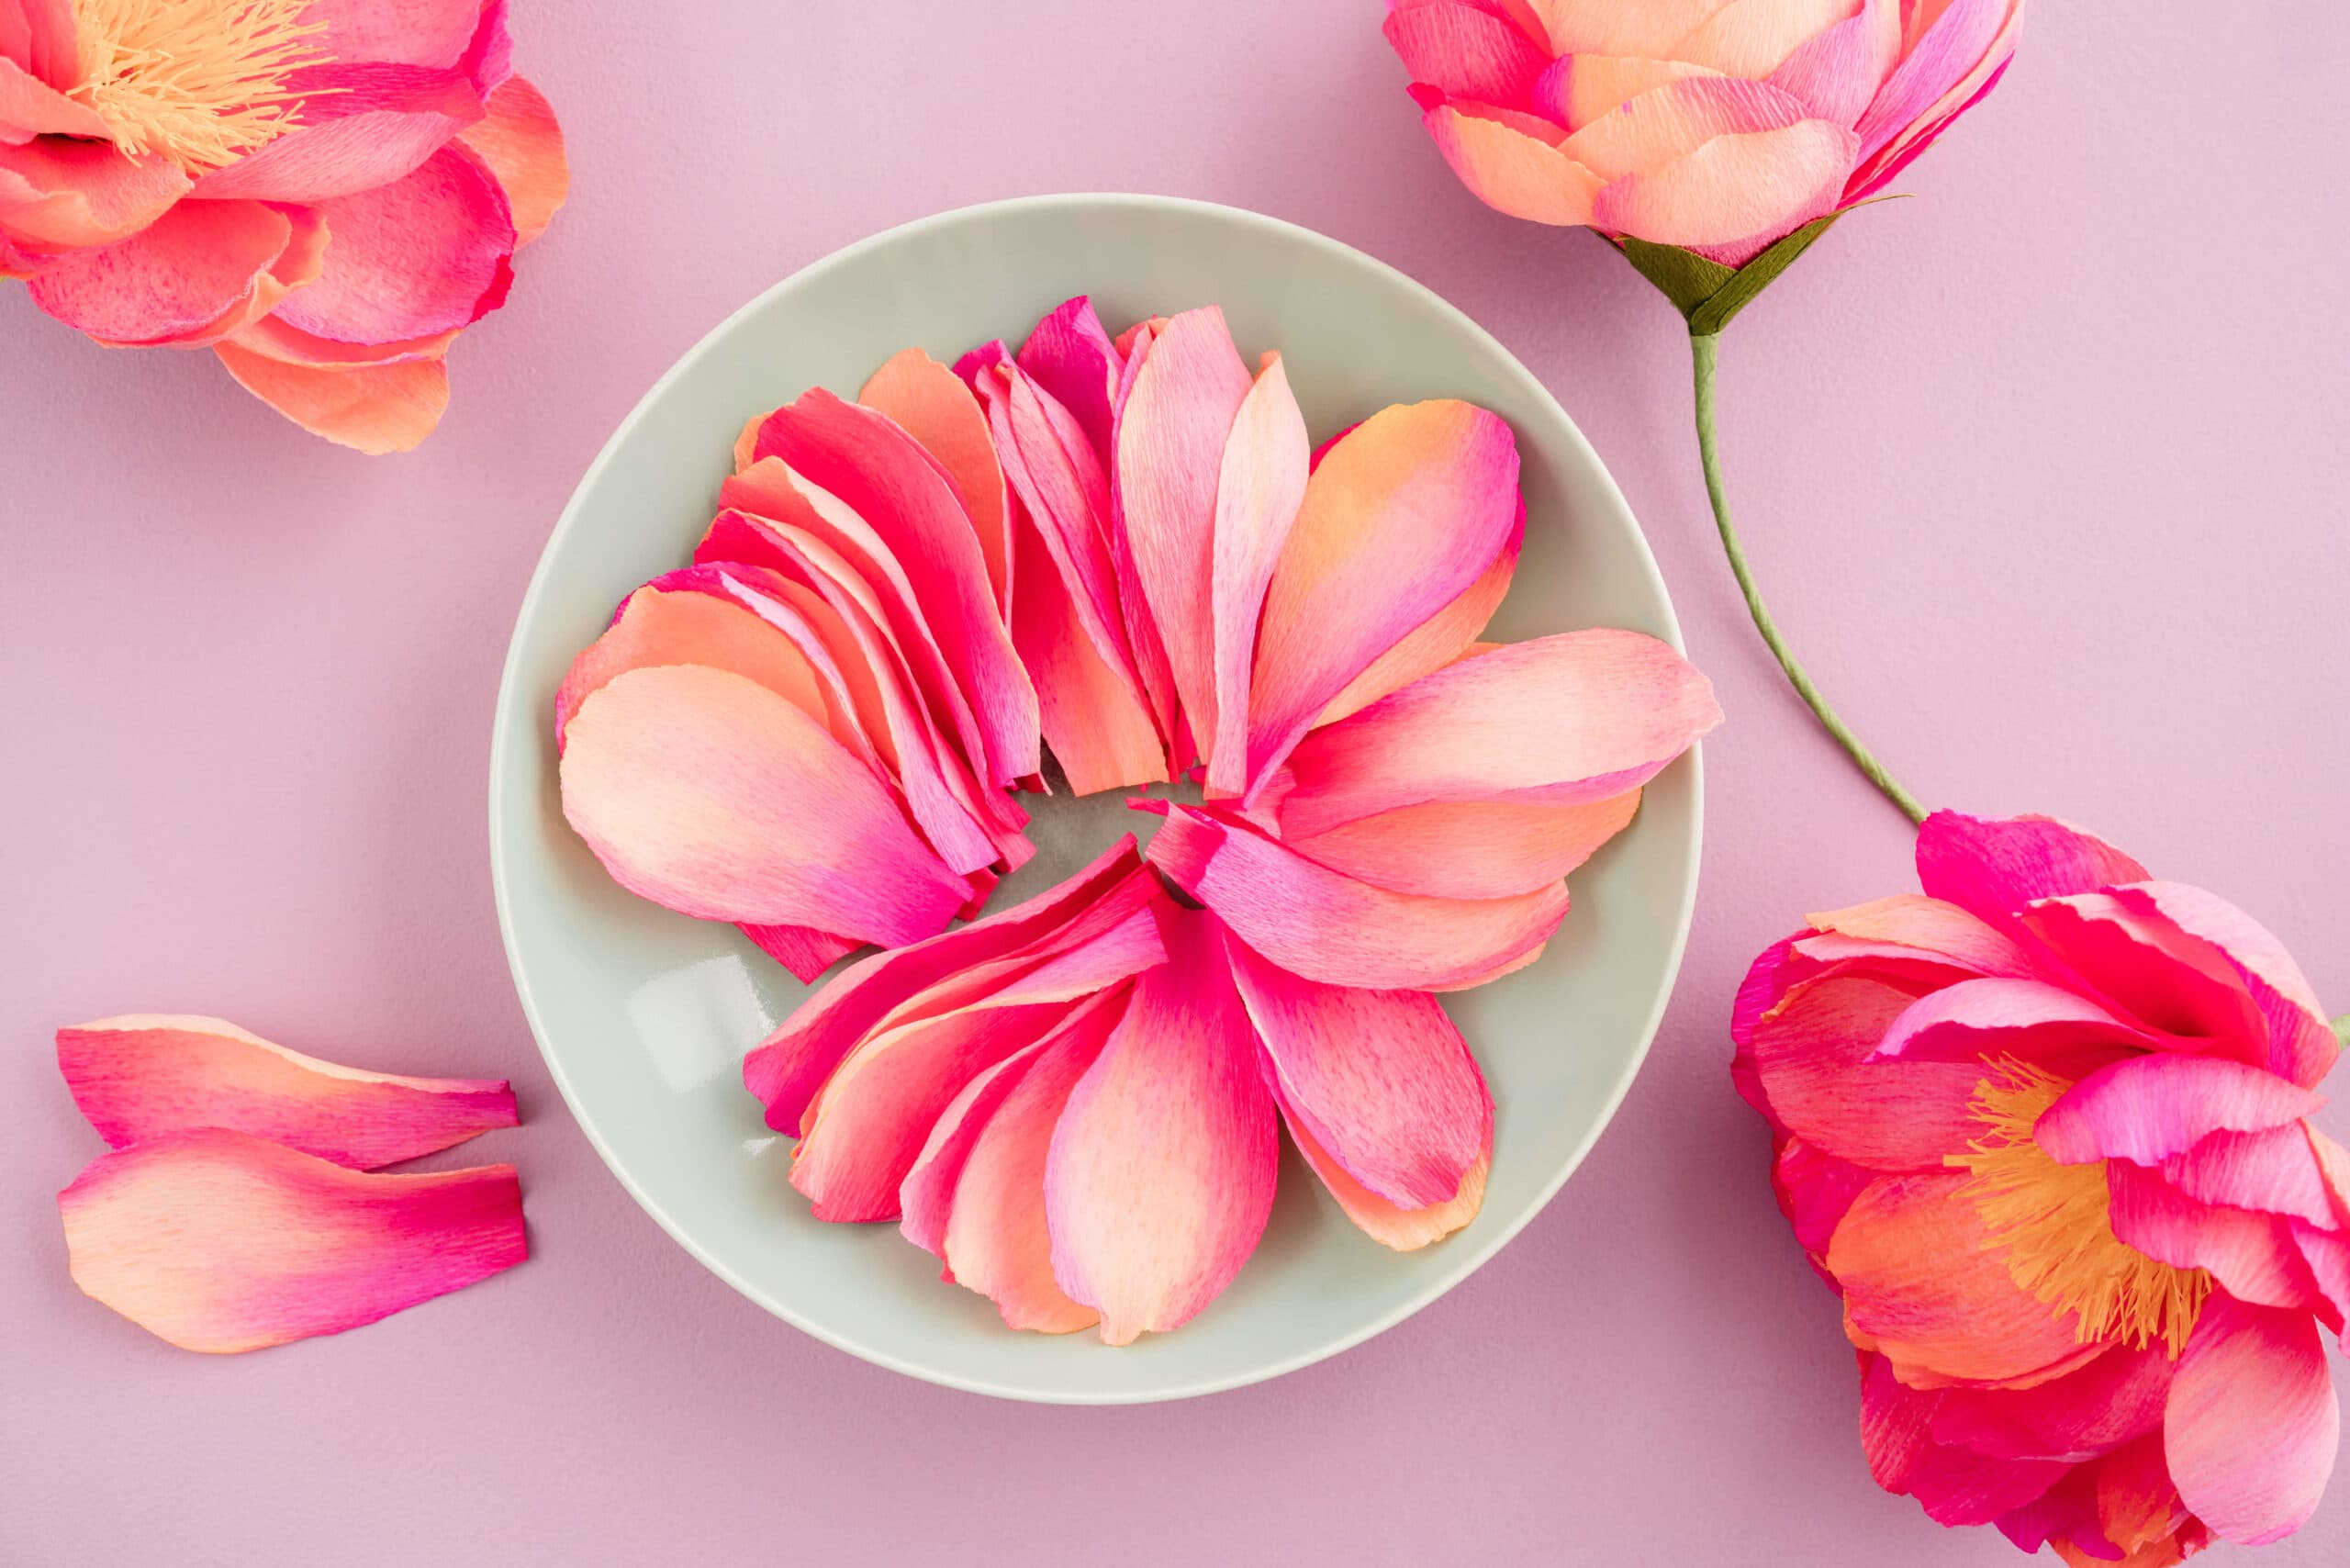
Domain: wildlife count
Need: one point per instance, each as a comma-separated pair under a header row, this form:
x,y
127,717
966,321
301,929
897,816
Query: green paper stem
x,y
1703,350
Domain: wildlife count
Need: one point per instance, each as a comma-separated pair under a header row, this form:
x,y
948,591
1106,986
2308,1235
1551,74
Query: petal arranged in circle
x,y
144,1075
1470,849
1259,486
2147,1108
220,1241
1071,357
2252,1426
1450,634
932,404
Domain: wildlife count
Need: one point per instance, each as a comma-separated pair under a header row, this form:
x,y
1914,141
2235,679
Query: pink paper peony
x,y
322,192
2044,1129
1714,125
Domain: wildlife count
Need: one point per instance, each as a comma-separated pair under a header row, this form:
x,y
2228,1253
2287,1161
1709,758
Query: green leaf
x,y
1708,293
2342,1030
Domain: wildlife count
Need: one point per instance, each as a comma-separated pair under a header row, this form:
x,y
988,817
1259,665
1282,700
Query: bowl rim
x,y
1499,1230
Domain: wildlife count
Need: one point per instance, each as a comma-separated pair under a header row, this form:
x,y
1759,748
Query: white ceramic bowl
x,y
645,1015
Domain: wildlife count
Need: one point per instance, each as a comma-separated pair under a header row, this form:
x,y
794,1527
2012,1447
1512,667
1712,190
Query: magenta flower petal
x,y
2252,1426
2300,1042
2275,1171
218,1241
1160,1175
2148,1108
144,1075
1813,1057
1259,486
785,1069
422,254
1993,868
2031,1020
197,272
365,125
1466,51
2252,1256
2114,1399
1072,358
1956,1485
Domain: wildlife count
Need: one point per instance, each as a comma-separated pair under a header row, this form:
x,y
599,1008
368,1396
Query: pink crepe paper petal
x,y
1661,127
1753,38
1315,923
869,1122
1815,1192
1380,1078
372,407
30,107
197,272
1930,927
2138,1506
414,32
1578,89
2275,1171
1470,849
2030,1020
1560,721
979,1189
932,404
57,194
884,476
1509,169
39,36
2148,1108
420,255
218,1241
1405,512
523,147
144,1075
1098,725
706,792
1813,1057
803,950
2113,1400
2254,1257
1732,197
365,124
1923,1287
1958,45
1172,438
1443,637
785,1069
1835,73
1144,643
2301,1043
1259,486
1073,359
1160,1176
1465,51
2252,1426
1992,868
2140,963
1955,1485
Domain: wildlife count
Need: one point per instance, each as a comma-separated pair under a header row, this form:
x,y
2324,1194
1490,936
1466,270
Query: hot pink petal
x,y
705,791
424,253
411,32
57,194
2148,1108
2252,1256
365,125
1466,51
1143,640
1260,488
1172,439
1407,510
144,1075
803,950
30,107
2030,1020
371,406
1732,197
2274,1172
1160,1175
1815,1192
218,1241
1836,72
1992,866
1509,169
523,147
881,472
1388,1223
1959,45
1560,721
2114,1399
2302,1042
1071,357
991,1229
1470,849
932,404
197,272
1317,923
1813,1057
2252,1426
2173,984
785,1069
1955,1485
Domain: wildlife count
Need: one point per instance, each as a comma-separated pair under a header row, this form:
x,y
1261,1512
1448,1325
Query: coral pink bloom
x,y
1713,125
2044,1129
323,192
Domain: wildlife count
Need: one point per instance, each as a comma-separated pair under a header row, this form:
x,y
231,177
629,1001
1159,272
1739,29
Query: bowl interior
x,y
645,1015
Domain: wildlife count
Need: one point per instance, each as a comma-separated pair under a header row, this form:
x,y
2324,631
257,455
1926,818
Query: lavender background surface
x,y
2044,470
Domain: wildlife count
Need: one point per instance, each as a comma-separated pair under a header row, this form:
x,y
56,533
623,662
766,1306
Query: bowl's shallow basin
x,y
644,1015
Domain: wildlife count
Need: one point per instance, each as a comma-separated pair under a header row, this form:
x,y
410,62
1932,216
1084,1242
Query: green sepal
x,y
1708,293
2342,1030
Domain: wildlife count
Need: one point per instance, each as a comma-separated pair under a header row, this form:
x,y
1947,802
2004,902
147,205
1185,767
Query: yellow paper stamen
x,y
201,82
2055,1222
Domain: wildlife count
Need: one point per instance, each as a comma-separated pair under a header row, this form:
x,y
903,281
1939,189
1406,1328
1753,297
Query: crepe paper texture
x,y
220,1241
1128,555
1712,144
2042,1127
324,193
141,1076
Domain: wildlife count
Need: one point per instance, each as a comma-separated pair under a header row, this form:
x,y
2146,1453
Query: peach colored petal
x,y
197,272
57,194
1580,88
1470,849
1436,642
424,253
1929,926
1160,1175
1509,170
1836,72
1098,725
374,409
219,1242
142,1075
1170,441
1611,27
785,1069
271,337
1753,38
932,404
1735,195
523,147
886,478
1662,127
1314,921
706,792
1404,512
1923,1287
30,106
2252,1426
2148,1108
1259,486
1564,720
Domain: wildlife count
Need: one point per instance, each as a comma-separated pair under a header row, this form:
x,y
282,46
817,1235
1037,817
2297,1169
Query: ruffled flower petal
x,y
1258,490
1813,1056
2148,1108
1509,169
1661,127
932,404
2031,1020
1466,51
1470,849
521,141
374,406
1443,637
2116,1398
220,1241
198,273
424,253
2252,1256
62,194
365,125
2275,1172
30,107
1732,197
1070,355
1837,71
2300,1042
143,1076
2252,1426
1992,868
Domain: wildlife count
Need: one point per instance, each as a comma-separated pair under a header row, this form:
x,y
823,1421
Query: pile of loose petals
x,y
242,1205
322,192
2045,1130
1128,551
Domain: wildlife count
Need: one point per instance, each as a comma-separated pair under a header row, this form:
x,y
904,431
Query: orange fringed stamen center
x,y
2054,1223
200,82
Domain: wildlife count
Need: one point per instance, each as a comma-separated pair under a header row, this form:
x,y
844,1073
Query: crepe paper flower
x,y
2045,1130
140,1076
1710,140
322,192
1074,1103
220,1241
